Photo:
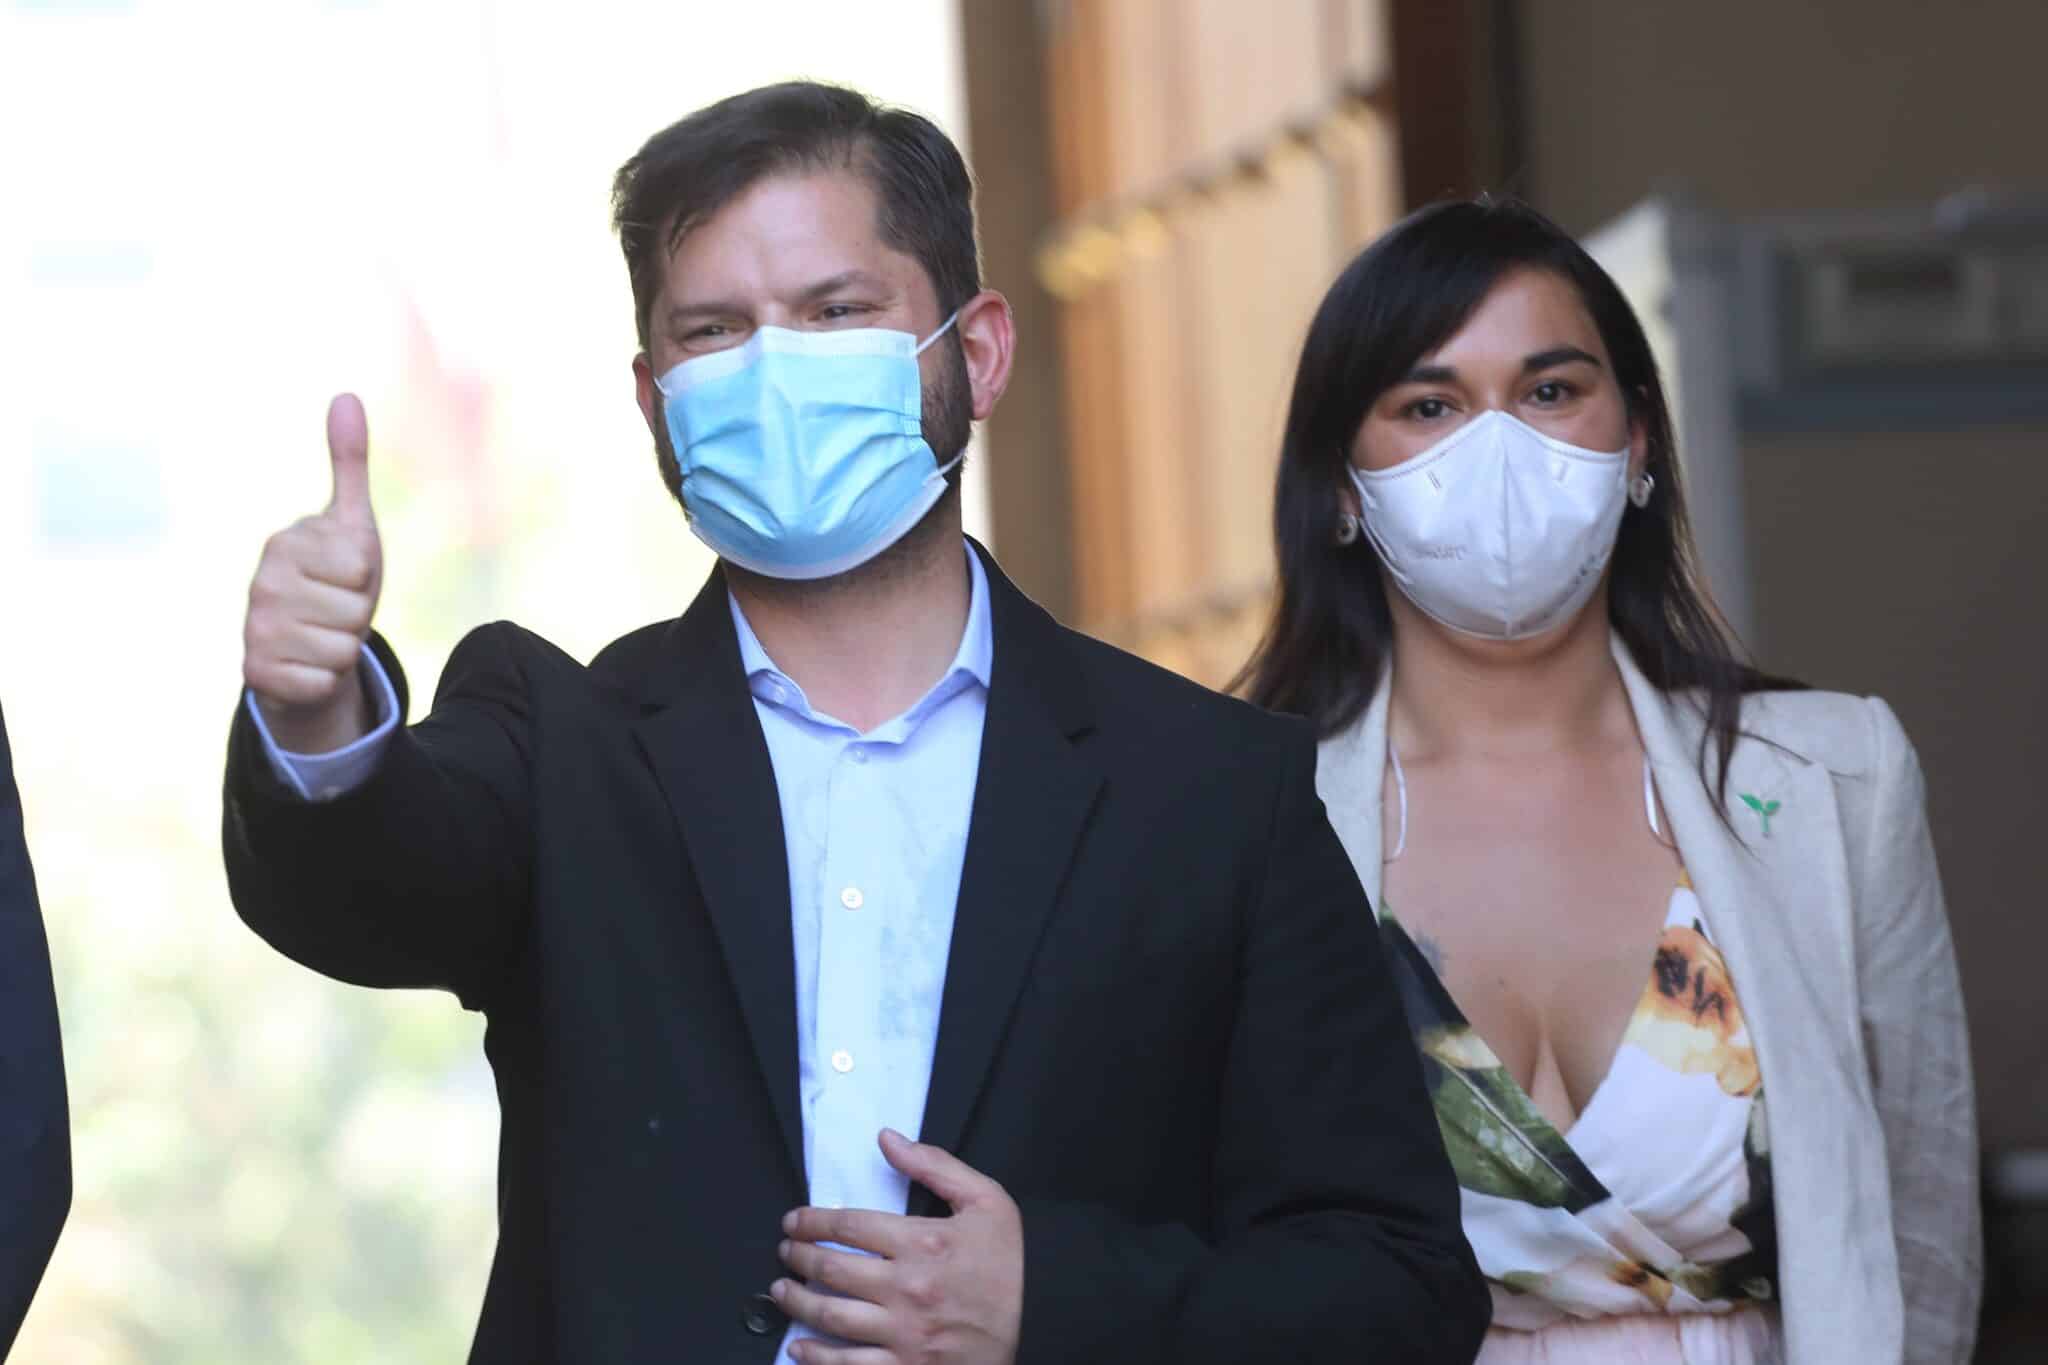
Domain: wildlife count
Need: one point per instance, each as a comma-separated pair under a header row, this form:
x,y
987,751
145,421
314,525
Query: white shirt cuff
x,y
322,777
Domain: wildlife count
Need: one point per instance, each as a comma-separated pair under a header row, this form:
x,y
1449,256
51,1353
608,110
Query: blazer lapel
x,y
1757,870
1774,883
707,750
1351,774
1032,798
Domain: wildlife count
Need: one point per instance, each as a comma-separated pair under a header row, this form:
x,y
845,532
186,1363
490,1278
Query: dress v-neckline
x,y
1451,1012
1553,1235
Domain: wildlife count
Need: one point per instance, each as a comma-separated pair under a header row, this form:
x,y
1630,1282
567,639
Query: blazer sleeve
x,y
418,877
1336,1232
1919,1050
35,1131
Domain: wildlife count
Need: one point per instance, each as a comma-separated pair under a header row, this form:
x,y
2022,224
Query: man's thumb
x,y
938,1170
348,448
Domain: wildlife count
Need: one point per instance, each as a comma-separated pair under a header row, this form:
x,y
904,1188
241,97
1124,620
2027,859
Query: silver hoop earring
x,y
1347,528
1640,488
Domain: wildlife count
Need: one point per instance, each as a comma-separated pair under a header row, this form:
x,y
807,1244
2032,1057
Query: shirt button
x,y
842,1061
858,755
851,898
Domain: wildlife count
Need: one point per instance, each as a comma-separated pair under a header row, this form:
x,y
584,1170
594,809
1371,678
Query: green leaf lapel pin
x,y
1764,810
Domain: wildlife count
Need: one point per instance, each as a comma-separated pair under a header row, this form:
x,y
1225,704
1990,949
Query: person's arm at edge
x,y
35,1130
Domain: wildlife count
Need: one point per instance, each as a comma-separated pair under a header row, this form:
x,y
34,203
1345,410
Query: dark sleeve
x,y
1337,1232
35,1131
418,877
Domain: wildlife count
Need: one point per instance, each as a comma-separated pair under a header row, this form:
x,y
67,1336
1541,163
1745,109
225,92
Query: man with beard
x,y
876,971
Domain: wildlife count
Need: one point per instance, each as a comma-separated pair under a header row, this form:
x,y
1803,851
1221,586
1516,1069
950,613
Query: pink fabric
x,y
1744,1337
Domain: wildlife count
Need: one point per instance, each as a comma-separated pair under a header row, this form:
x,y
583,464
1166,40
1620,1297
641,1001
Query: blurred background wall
x,y
226,210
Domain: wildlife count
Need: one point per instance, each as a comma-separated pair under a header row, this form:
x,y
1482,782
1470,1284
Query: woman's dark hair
x,y
1405,295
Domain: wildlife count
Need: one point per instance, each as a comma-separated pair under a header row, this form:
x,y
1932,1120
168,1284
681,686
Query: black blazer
x,y
1166,1028
35,1128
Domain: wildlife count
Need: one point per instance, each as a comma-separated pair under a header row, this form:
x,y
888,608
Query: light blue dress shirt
x,y
875,826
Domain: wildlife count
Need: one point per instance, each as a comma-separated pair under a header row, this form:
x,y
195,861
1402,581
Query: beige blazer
x,y
1834,931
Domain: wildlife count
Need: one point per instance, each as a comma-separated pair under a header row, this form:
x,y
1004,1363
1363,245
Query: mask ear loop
x,y
1650,807
1400,802
942,329
952,464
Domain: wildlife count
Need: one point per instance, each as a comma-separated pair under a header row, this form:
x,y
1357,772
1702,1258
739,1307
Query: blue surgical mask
x,y
803,453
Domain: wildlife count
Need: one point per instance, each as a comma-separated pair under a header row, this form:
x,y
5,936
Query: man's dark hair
x,y
691,169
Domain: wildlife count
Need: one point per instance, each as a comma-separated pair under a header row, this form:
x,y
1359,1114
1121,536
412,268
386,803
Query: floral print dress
x,y
1644,1234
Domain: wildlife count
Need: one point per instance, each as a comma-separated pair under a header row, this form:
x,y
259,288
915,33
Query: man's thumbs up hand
x,y
311,602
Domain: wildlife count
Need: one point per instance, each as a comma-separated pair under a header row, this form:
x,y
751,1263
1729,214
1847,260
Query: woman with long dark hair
x,y
1669,930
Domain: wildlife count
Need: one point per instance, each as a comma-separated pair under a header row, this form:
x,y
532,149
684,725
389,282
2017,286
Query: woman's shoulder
x,y
1849,735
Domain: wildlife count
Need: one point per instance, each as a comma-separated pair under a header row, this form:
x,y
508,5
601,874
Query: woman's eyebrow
x,y
1557,355
1430,374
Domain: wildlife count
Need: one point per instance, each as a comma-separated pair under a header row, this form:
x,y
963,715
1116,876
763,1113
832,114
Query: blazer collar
x,y
698,653
1036,787
703,739
1035,791
1351,773
1351,776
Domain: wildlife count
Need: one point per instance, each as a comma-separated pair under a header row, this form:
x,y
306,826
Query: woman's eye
x,y
1428,409
833,312
1551,391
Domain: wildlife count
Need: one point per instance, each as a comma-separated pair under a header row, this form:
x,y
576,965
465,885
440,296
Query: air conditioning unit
x,y
1930,317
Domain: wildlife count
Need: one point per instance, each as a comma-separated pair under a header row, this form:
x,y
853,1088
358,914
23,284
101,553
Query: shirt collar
x,y
973,661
